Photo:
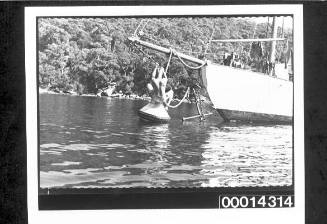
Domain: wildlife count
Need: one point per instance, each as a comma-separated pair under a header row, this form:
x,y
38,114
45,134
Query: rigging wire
x,y
181,101
170,56
147,21
135,32
172,53
209,42
283,28
189,66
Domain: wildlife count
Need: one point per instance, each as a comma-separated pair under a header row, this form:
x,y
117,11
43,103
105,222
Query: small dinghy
x,y
154,112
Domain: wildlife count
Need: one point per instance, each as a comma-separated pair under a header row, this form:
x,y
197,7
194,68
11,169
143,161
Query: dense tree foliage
x,y
88,54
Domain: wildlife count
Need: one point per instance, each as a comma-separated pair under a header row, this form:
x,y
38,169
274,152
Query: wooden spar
x,y
273,45
165,50
195,116
248,40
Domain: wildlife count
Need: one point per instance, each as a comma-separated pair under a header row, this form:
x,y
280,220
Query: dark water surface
x,y
101,142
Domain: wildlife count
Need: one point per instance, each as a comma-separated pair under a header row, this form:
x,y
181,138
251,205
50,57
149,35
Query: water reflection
x,y
101,142
248,156
155,138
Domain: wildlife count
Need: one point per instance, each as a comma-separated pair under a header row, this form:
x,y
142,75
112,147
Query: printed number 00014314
x,y
256,201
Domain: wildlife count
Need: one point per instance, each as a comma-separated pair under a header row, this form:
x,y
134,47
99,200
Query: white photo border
x,y
276,215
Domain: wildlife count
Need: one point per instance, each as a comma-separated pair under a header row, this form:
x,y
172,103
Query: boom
x,y
248,40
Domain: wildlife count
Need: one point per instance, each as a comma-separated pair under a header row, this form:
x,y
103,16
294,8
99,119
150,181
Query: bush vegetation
x,y
88,54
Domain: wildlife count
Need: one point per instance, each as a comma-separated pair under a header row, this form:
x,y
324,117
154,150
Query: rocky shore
x,y
114,95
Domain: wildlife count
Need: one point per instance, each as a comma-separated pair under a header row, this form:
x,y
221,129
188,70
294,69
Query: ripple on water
x,y
65,163
116,149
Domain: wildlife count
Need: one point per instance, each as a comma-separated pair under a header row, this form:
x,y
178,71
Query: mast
x,y
273,43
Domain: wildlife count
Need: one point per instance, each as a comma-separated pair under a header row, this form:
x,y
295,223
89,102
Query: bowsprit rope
x,y
173,52
187,91
135,32
181,101
183,62
170,56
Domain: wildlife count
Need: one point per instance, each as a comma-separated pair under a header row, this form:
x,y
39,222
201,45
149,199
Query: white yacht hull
x,y
245,95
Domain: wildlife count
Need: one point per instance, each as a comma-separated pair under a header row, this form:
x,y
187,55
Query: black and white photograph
x,y
166,100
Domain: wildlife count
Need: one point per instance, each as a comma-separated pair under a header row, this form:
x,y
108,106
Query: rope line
x,y
172,53
170,56
181,101
135,32
147,21
209,42
191,67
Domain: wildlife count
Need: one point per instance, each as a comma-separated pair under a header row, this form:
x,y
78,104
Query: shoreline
x,y
113,96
